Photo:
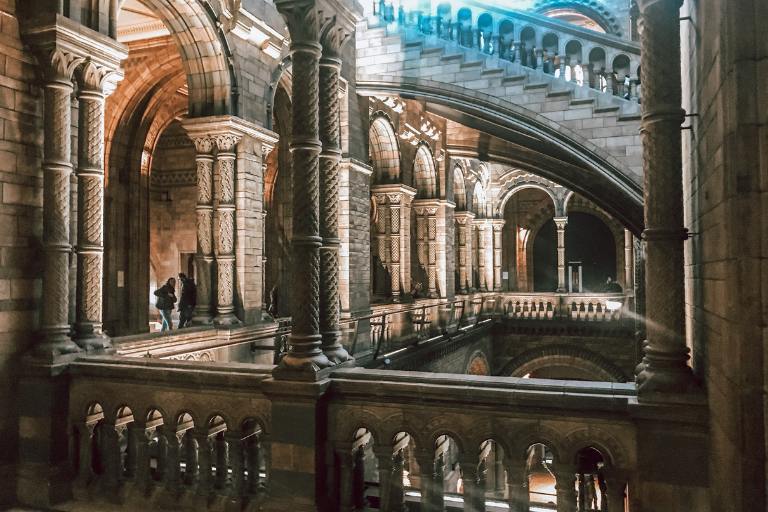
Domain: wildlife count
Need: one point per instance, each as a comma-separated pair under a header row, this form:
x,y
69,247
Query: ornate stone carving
x,y
204,146
204,182
224,226
204,229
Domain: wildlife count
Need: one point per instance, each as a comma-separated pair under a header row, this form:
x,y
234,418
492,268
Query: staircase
x,y
397,54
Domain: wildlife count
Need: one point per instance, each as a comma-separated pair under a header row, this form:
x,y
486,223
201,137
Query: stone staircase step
x,y
431,50
634,116
471,64
492,71
414,43
606,109
559,94
576,102
514,79
452,57
536,85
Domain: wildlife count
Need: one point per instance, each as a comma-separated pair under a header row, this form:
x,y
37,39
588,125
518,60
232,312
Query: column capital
x,y
223,132
561,222
395,193
498,224
62,45
464,217
303,20
97,79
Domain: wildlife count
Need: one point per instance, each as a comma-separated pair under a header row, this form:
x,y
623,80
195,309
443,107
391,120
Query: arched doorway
x,y
588,240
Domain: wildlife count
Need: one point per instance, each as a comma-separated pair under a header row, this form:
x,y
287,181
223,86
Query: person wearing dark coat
x,y
188,300
166,298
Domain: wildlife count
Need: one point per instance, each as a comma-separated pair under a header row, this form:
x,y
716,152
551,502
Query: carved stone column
x,y
224,227
393,226
90,209
345,459
474,499
332,37
464,249
426,461
498,225
204,210
305,341
58,68
665,367
484,254
560,223
384,458
616,482
426,232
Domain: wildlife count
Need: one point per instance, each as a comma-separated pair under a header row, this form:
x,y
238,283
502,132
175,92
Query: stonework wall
x,y
450,357
21,201
725,65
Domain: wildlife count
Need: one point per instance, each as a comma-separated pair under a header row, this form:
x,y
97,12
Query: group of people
x,y
166,299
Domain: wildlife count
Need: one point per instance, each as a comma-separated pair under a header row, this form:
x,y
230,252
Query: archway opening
x,y
590,245
575,17
541,479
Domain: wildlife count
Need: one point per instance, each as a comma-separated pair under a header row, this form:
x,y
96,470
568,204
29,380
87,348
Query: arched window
x,y
384,152
424,173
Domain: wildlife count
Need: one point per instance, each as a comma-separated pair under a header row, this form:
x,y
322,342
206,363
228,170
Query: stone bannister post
x,y
345,457
664,367
252,455
171,474
85,454
224,227
565,487
189,445
94,81
464,252
204,476
333,35
234,440
560,224
426,462
204,159
497,226
616,482
517,486
386,468
474,499
221,451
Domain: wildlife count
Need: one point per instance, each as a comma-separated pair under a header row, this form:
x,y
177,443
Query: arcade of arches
x,y
313,255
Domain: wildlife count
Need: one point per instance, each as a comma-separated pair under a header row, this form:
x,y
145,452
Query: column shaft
x,y
560,223
665,366
385,479
628,257
330,65
90,220
224,228
204,211
517,487
565,487
498,225
431,242
305,351
57,168
394,240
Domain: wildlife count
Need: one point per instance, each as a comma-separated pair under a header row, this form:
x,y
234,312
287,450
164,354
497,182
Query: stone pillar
x,y
629,253
393,226
332,37
474,499
203,460
497,225
305,351
464,249
171,477
384,458
234,442
90,209
479,226
426,232
426,461
560,223
224,227
139,468
204,210
565,487
346,478
664,366
252,465
58,68
517,486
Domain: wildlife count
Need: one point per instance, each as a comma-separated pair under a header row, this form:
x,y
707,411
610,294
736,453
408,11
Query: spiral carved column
x,y
224,227
204,210
332,38
305,341
90,210
560,223
664,367
57,168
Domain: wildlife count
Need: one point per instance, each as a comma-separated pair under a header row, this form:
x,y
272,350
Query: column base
x,y
92,340
202,317
664,373
227,319
55,344
333,349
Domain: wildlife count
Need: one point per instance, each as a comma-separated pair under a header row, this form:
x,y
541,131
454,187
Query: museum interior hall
x,y
384,255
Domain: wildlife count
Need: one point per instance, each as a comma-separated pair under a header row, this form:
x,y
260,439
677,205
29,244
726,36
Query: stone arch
x,y
611,448
205,55
561,355
589,8
582,166
477,364
424,173
537,433
384,151
479,199
459,189
518,186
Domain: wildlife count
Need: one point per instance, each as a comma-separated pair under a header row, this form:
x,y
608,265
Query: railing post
x,y
252,455
386,467
565,486
171,474
517,486
203,460
234,442
474,499
85,471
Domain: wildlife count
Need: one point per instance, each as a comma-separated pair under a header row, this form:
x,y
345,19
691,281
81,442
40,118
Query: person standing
x,y
166,298
188,300
533,58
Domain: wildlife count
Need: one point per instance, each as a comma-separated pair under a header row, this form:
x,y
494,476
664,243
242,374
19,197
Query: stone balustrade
x,y
576,54
579,307
144,430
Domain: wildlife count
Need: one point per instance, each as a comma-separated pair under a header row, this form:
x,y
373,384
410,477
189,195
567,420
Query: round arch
x,y
384,151
589,9
424,173
459,189
582,360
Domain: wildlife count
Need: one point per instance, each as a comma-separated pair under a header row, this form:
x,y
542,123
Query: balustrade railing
x,y
599,61
144,434
579,307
